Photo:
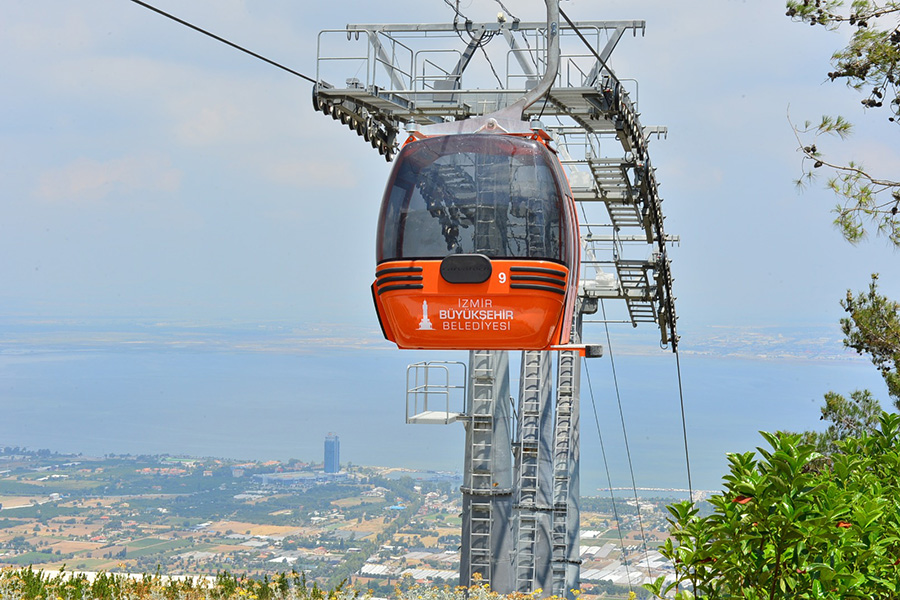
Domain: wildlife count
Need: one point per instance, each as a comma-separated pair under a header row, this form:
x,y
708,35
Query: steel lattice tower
x,y
521,468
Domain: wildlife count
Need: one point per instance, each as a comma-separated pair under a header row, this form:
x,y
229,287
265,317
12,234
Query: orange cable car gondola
x,y
478,245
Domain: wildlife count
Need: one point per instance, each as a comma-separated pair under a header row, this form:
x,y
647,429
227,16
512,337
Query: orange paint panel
x,y
418,309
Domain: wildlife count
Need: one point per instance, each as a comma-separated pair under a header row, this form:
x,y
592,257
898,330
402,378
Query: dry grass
x,y
67,547
15,501
255,529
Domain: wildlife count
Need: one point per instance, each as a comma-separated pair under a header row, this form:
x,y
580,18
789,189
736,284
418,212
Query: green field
x,y
158,548
145,542
30,558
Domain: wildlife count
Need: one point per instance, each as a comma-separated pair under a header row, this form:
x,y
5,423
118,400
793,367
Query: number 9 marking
x,y
502,277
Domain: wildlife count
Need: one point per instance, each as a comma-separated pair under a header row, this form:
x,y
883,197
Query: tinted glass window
x,y
489,194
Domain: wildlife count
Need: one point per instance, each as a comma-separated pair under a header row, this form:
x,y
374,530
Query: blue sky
x,y
150,171
150,174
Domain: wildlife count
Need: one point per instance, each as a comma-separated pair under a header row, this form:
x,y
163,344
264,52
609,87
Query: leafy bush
x,y
793,523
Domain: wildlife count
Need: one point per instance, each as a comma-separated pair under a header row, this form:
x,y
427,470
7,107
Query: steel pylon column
x,y
566,520
487,474
533,470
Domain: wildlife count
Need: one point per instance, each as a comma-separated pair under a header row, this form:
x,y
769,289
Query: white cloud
x,y
44,33
208,125
303,173
227,112
89,180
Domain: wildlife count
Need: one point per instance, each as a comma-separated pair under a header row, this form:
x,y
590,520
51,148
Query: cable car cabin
x,y
478,245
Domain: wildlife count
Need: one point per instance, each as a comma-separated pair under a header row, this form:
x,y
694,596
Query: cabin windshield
x,y
490,194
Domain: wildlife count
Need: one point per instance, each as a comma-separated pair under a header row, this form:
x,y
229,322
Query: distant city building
x,y
294,478
332,453
298,479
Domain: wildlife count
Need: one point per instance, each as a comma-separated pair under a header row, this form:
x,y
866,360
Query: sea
x,y
278,405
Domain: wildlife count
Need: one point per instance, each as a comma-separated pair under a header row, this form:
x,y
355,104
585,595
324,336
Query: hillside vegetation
x,y
28,584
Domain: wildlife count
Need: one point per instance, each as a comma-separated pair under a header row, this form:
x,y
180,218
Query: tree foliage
x,y
789,525
816,514
870,64
846,417
872,327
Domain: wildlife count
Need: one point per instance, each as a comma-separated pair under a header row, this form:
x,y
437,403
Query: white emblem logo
x,y
425,324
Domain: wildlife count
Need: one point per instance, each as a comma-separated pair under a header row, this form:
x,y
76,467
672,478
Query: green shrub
x,y
793,523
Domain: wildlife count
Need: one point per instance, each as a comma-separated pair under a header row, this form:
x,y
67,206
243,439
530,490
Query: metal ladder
x,y
530,230
528,460
640,292
488,239
534,228
481,465
562,457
